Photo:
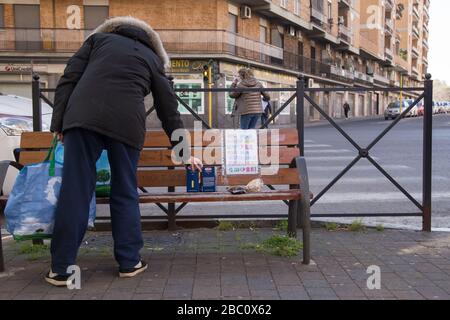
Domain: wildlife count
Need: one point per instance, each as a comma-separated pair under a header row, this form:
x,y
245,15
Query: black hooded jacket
x,y
105,82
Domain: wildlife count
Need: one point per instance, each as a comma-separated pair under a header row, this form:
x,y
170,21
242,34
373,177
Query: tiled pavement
x,y
211,264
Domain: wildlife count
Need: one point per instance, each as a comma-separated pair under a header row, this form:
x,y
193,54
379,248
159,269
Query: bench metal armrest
x,y
4,165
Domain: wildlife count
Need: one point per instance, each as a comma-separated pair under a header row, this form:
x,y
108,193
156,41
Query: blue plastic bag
x,y
30,210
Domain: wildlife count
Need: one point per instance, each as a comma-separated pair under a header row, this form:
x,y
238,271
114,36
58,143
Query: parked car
x,y
15,118
413,112
420,109
393,109
447,107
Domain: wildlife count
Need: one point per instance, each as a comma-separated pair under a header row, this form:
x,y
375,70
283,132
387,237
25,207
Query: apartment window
x,y
95,16
297,7
232,23
317,5
330,10
276,38
192,99
27,21
284,3
2,16
262,34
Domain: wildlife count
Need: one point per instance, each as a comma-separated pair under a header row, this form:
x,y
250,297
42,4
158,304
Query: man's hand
x,y
59,135
195,164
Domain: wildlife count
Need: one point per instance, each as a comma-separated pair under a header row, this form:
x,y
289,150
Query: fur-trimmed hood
x,y
154,41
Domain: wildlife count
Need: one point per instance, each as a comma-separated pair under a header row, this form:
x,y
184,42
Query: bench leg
x,y
292,219
306,229
171,214
304,210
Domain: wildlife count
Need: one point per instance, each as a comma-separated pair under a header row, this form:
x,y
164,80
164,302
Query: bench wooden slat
x,y
214,197
162,158
158,139
177,178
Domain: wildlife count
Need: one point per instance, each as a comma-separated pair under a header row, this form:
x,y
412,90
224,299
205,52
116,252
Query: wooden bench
x,y
157,170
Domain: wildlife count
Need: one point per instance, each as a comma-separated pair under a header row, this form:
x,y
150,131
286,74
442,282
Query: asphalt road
x,y
363,189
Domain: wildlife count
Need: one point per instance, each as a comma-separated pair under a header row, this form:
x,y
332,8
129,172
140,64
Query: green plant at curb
x,y
331,226
379,228
225,226
281,225
34,251
357,226
277,245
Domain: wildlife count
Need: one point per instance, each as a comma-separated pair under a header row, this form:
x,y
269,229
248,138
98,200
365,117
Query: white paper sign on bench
x,y
241,152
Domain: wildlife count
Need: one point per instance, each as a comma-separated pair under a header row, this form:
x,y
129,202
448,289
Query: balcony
x,y
415,31
414,72
306,65
415,11
389,54
345,34
389,26
319,19
380,79
415,51
274,11
344,4
186,42
340,74
389,5
426,11
363,78
425,43
425,59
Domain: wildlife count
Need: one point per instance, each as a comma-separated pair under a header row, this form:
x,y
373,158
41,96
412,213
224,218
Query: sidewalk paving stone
x,y
210,264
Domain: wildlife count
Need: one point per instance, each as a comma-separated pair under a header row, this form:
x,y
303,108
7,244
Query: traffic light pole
x,y
210,95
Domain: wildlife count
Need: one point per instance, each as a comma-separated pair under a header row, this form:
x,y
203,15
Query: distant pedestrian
x,y
248,103
346,107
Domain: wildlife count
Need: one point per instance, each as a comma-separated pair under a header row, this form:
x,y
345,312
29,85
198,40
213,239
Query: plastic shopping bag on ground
x,y
30,210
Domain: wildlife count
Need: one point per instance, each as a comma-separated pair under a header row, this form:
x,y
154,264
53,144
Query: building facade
x,y
362,43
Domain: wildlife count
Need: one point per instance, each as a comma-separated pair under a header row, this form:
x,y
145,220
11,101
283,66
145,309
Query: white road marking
x,y
357,167
331,158
317,146
339,197
373,180
328,151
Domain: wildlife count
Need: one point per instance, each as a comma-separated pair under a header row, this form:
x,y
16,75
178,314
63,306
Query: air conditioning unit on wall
x,y
246,12
291,31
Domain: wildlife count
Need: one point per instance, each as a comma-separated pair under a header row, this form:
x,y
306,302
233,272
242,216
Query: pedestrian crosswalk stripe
x,y
328,151
357,167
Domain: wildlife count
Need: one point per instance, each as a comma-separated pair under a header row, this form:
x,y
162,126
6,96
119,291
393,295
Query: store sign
x,y
17,68
186,66
241,152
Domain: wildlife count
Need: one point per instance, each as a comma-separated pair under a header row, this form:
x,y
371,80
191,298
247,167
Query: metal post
x,y
300,114
171,219
427,153
37,107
